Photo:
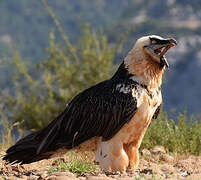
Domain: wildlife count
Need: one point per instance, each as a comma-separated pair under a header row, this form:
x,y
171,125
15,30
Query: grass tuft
x,y
76,165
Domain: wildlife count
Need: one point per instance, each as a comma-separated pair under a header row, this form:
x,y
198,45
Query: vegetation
x,y
181,137
76,165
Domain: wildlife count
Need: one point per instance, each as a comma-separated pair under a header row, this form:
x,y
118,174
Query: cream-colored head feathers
x,y
142,64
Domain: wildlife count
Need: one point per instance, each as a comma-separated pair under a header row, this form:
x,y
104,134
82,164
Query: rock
x,y
65,178
166,158
52,177
67,174
82,178
25,177
158,150
167,169
13,178
43,176
152,169
185,173
124,178
146,171
145,152
99,178
33,177
62,176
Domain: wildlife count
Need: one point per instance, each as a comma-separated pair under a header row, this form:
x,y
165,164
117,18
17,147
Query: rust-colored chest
x,y
134,130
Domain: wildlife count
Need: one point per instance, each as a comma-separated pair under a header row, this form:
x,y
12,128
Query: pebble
x,y
158,150
65,178
43,176
124,178
52,177
166,158
13,178
82,178
167,169
67,174
99,178
33,177
145,152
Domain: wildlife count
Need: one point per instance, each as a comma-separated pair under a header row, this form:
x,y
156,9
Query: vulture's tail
x,y
25,151
36,146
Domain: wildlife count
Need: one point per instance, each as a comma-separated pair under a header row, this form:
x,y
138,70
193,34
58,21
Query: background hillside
x,y
25,26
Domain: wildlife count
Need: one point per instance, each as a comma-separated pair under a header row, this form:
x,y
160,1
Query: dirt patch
x,y
153,165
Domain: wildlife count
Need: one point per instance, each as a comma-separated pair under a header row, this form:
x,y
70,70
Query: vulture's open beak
x,y
158,48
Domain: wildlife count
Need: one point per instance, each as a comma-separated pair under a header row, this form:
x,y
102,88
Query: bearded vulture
x,y
110,117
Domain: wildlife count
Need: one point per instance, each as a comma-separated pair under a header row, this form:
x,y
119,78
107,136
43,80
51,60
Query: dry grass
x,y
77,163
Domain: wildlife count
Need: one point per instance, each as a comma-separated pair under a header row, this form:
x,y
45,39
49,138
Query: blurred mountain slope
x,y
25,25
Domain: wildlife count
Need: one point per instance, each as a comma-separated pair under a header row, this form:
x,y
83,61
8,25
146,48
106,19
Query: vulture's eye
x,y
153,41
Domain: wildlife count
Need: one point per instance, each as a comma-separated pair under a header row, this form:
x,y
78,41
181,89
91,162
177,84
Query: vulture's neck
x,y
144,70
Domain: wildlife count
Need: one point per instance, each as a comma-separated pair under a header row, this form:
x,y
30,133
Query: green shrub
x,y
181,137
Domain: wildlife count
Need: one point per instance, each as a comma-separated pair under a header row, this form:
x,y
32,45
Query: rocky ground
x,y
154,164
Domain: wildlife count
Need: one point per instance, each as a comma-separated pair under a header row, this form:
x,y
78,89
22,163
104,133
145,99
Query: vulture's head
x,y
146,60
154,48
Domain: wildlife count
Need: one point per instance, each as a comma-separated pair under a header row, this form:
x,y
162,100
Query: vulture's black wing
x,y
98,111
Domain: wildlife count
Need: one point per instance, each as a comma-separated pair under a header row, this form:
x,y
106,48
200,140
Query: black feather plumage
x,y
100,110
